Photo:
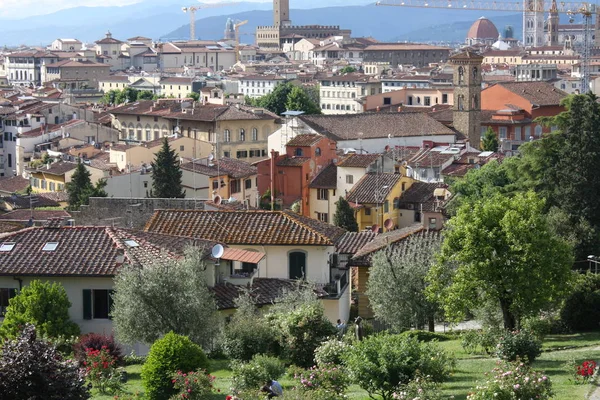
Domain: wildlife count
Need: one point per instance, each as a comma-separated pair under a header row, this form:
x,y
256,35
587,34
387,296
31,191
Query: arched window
x,y
475,72
242,135
297,265
461,74
461,102
254,134
318,151
474,102
227,135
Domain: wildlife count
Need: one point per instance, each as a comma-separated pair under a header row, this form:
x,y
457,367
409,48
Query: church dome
x,y
483,28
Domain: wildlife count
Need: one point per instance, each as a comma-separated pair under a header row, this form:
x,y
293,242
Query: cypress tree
x,y
344,216
80,189
166,174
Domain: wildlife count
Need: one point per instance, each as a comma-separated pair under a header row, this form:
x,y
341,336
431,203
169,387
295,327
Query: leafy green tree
x,y
348,69
501,250
194,96
298,100
34,369
489,141
80,189
43,304
396,285
313,92
344,216
158,96
276,100
145,95
251,101
152,301
110,97
580,311
166,174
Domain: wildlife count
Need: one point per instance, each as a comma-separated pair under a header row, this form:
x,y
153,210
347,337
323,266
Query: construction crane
x,y
571,8
192,11
236,27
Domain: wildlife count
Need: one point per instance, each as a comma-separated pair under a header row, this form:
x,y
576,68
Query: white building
x,y
257,86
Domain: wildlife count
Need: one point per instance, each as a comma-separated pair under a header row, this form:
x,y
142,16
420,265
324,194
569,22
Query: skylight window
x,y
7,246
131,243
50,246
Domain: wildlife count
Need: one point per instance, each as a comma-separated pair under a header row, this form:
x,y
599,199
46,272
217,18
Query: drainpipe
x,y
20,282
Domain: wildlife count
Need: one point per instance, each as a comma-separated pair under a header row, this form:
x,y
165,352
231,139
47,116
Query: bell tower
x,y
281,13
533,23
553,25
466,116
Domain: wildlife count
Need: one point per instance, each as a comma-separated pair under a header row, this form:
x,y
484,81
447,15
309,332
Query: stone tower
x,y
281,13
533,23
466,116
553,25
229,30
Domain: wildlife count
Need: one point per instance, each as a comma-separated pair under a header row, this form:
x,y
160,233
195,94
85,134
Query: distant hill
x,y
382,23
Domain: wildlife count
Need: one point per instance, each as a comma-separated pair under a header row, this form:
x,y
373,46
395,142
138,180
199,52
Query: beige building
x,y
76,73
178,88
108,51
508,57
113,82
409,97
197,53
127,156
241,132
340,94
66,45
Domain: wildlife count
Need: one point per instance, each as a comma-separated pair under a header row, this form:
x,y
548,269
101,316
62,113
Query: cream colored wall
x,y
158,129
332,96
343,187
407,218
338,308
502,59
265,128
323,206
177,91
107,85
199,182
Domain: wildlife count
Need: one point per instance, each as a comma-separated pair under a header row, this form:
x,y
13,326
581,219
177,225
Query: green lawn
x,y
469,369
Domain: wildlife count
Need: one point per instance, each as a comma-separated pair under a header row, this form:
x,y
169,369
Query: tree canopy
x,y
344,216
502,250
80,189
152,301
298,100
489,141
166,173
127,95
396,285
287,96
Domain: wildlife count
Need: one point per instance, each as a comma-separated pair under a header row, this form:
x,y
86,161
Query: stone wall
x,y
128,212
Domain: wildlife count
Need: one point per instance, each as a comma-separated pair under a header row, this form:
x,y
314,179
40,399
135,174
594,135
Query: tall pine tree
x,y
166,174
80,189
344,216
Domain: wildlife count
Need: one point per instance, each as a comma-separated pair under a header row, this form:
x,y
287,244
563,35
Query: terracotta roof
x,y
247,256
24,215
418,192
403,46
24,201
375,125
354,160
176,81
224,166
305,140
245,227
352,242
76,64
382,241
287,161
6,227
115,78
373,188
56,168
538,93
81,251
13,184
265,291
326,179
483,28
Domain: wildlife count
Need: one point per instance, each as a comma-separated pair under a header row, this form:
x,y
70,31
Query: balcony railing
x,y
336,288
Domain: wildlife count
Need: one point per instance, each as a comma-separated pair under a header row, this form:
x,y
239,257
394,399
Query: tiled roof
x,y
305,140
375,125
236,169
326,179
81,251
373,188
352,242
429,158
13,184
245,227
78,64
38,215
362,256
354,160
292,161
56,168
418,192
115,78
174,244
176,81
6,227
538,93
24,201
404,46
264,291
239,112
54,196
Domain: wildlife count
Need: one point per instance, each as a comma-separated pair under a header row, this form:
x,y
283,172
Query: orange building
x,y
289,175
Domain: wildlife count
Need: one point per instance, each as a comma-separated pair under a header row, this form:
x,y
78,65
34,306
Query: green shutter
x,y
110,303
87,304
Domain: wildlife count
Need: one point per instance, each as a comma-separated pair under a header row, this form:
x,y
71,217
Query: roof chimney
x,y
378,109
120,258
399,108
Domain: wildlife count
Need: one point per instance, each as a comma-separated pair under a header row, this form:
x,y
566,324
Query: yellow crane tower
x,y
192,11
236,27
571,8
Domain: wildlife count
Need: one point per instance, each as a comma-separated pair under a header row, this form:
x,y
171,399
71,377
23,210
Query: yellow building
x,y
376,198
509,57
178,88
53,177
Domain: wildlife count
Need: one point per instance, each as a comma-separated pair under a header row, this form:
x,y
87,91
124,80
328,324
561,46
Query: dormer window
x,y
7,247
50,246
299,152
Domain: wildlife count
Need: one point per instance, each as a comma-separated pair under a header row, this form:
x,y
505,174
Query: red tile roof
x,y
373,188
38,215
379,242
13,184
326,179
245,227
352,242
354,160
305,140
264,291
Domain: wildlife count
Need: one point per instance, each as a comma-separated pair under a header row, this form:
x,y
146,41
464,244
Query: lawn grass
x,y
469,370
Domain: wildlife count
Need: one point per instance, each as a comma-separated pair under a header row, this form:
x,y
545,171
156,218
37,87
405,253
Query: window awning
x,y
252,257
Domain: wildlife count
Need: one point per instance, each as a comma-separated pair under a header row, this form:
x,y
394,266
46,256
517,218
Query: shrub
x,y
133,359
519,345
469,341
254,374
379,364
328,379
43,304
168,355
421,388
425,336
242,339
480,341
301,331
32,369
511,381
97,341
331,352
101,371
580,311
195,385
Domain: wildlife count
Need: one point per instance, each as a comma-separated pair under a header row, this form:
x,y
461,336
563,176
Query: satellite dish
x,y
217,251
375,228
389,224
211,157
232,199
217,200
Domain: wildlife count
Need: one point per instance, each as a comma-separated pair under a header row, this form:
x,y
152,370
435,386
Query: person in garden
x,y
273,389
